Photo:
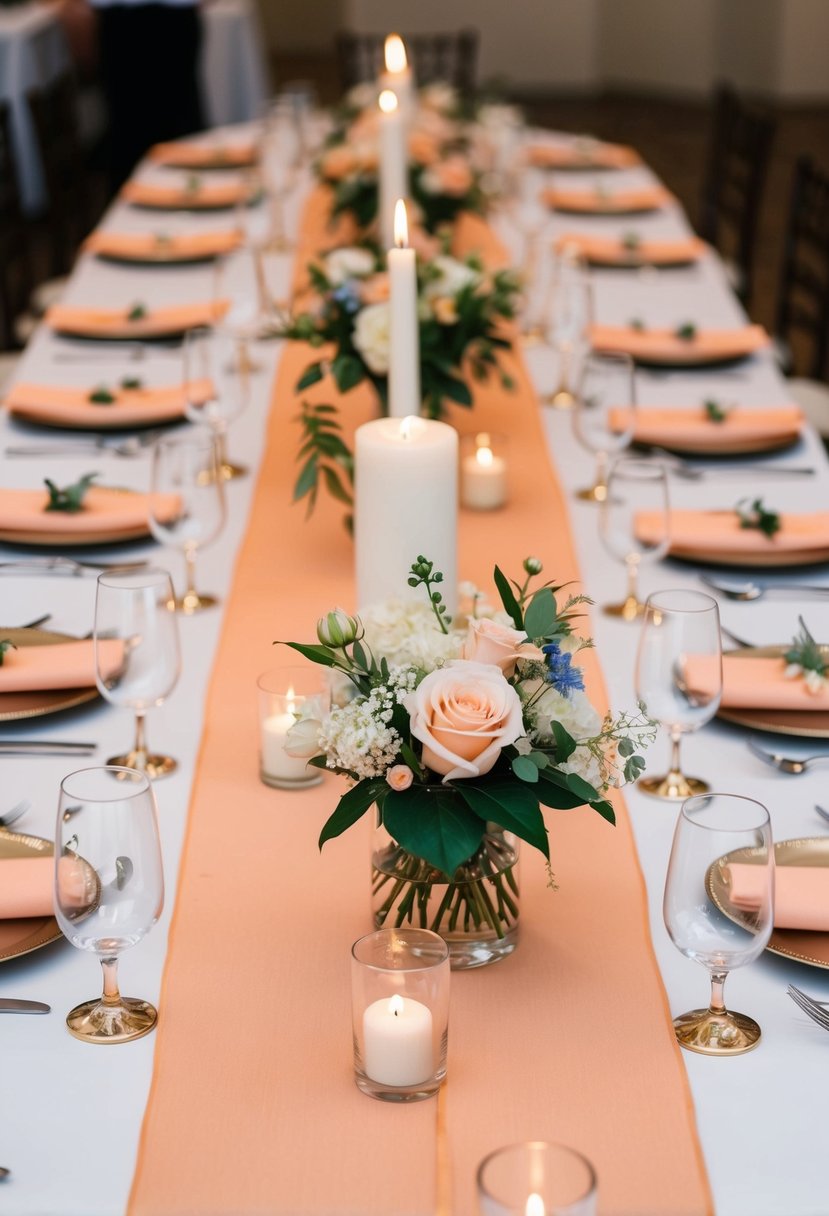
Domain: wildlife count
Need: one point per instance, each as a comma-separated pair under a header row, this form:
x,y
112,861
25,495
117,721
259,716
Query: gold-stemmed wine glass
x,y
605,415
634,524
137,656
281,159
218,355
188,469
715,833
679,677
109,888
568,316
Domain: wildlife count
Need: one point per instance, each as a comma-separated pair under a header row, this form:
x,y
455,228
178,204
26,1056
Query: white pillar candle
x,y
405,504
404,335
398,76
276,763
397,1041
393,164
483,478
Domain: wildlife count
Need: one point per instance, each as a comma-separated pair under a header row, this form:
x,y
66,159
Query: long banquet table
x,y
73,1115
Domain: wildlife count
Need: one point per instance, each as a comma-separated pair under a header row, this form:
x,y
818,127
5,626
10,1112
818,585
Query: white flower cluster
x,y
406,634
578,717
358,737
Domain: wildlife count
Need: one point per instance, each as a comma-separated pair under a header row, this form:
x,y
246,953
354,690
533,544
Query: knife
x,y
10,1005
42,747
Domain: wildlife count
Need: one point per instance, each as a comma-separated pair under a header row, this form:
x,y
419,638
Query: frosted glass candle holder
x,y
288,695
536,1178
484,484
400,1013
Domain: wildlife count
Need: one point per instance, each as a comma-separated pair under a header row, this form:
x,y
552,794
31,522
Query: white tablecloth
x,y
72,1113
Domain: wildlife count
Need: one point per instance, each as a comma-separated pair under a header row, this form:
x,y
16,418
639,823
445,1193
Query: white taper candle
x,y
393,164
404,330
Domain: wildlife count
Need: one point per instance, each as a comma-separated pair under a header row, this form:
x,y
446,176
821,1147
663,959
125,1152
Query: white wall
x,y
661,46
803,54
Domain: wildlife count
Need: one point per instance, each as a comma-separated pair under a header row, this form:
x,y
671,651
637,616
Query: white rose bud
x,y
303,738
338,629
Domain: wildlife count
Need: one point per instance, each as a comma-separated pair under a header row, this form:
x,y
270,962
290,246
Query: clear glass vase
x,y
476,913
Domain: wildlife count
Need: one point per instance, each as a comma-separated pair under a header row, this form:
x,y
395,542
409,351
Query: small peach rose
x,y
366,127
338,162
489,642
400,777
445,310
423,148
375,290
454,176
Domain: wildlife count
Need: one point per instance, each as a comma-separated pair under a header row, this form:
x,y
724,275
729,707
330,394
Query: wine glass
x,y
218,357
634,524
568,316
137,658
281,157
529,216
679,676
713,833
109,888
187,505
605,415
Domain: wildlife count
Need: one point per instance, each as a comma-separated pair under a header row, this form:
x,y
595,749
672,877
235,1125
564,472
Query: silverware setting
x,y
691,472
786,764
16,812
824,814
44,747
735,638
67,565
812,1008
133,445
753,590
10,1004
4,1173
37,622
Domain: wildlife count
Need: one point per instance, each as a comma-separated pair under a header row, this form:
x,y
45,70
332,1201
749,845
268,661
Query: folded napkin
x,y
583,154
205,197
115,323
71,407
610,251
104,510
801,894
149,247
63,665
187,154
608,202
691,427
663,345
27,886
719,533
756,682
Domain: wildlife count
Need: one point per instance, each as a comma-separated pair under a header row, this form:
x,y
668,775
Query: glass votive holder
x,y
483,481
288,695
400,1013
536,1178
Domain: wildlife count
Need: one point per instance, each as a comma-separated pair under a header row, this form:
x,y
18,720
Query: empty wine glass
x,y
529,216
715,834
109,888
187,505
605,415
568,316
679,676
634,524
137,658
281,158
218,357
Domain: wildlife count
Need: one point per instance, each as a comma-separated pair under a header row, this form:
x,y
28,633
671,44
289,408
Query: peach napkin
x,y
115,323
149,247
186,154
801,894
719,533
663,345
610,251
610,202
756,682
27,885
71,407
583,154
64,665
693,428
205,197
104,510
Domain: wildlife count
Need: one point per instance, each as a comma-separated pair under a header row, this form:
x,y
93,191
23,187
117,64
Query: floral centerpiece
x,y
456,731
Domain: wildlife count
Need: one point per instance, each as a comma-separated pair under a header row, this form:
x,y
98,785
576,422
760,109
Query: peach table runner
x,y
253,1106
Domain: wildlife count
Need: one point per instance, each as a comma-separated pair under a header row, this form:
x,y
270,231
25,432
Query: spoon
x,y
785,764
755,591
4,1173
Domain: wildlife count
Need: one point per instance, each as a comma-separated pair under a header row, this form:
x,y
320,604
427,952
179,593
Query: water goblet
x,y
220,355
137,657
109,888
605,415
529,216
679,677
637,493
188,468
281,156
568,316
713,833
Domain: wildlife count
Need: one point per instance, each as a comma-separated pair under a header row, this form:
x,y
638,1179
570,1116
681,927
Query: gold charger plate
x,y
22,935
802,945
810,724
15,706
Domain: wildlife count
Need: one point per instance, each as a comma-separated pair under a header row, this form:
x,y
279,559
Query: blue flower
x,y
561,673
346,297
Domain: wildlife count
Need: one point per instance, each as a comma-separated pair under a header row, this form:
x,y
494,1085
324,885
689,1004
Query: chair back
x,y
15,267
449,56
54,111
738,160
803,299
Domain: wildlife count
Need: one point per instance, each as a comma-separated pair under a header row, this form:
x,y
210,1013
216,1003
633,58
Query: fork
x,y
134,445
814,1009
785,764
67,565
16,812
692,472
824,814
749,590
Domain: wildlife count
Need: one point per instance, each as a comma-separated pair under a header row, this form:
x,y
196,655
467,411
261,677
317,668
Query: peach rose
x,y
338,162
446,313
464,714
375,290
423,148
489,642
454,175
366,127
400,776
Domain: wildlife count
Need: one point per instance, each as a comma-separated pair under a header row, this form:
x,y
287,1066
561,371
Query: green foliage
x,y
753,514
805,652
5,645
325,457
101,396
715,412
70,498
137,313
686,332
422,576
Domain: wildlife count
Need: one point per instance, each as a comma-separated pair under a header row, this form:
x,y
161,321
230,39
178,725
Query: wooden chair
x,y
738,160
15,265
54,111
450,57
802,323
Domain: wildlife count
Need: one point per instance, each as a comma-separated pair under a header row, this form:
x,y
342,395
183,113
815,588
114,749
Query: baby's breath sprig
x,y
806,658
753,514
424,575
4,646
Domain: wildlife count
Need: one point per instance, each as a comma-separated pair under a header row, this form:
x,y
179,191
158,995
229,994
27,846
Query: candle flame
x,y
395,54
401,225
396,1005
535,1205
387,101
484,457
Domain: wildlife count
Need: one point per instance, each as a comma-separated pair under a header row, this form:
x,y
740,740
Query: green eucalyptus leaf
x,y
540,617
525,769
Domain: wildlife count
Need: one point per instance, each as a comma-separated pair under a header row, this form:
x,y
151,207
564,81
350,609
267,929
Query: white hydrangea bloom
x,y
372,336
575,713
453,277
406,633
348,263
